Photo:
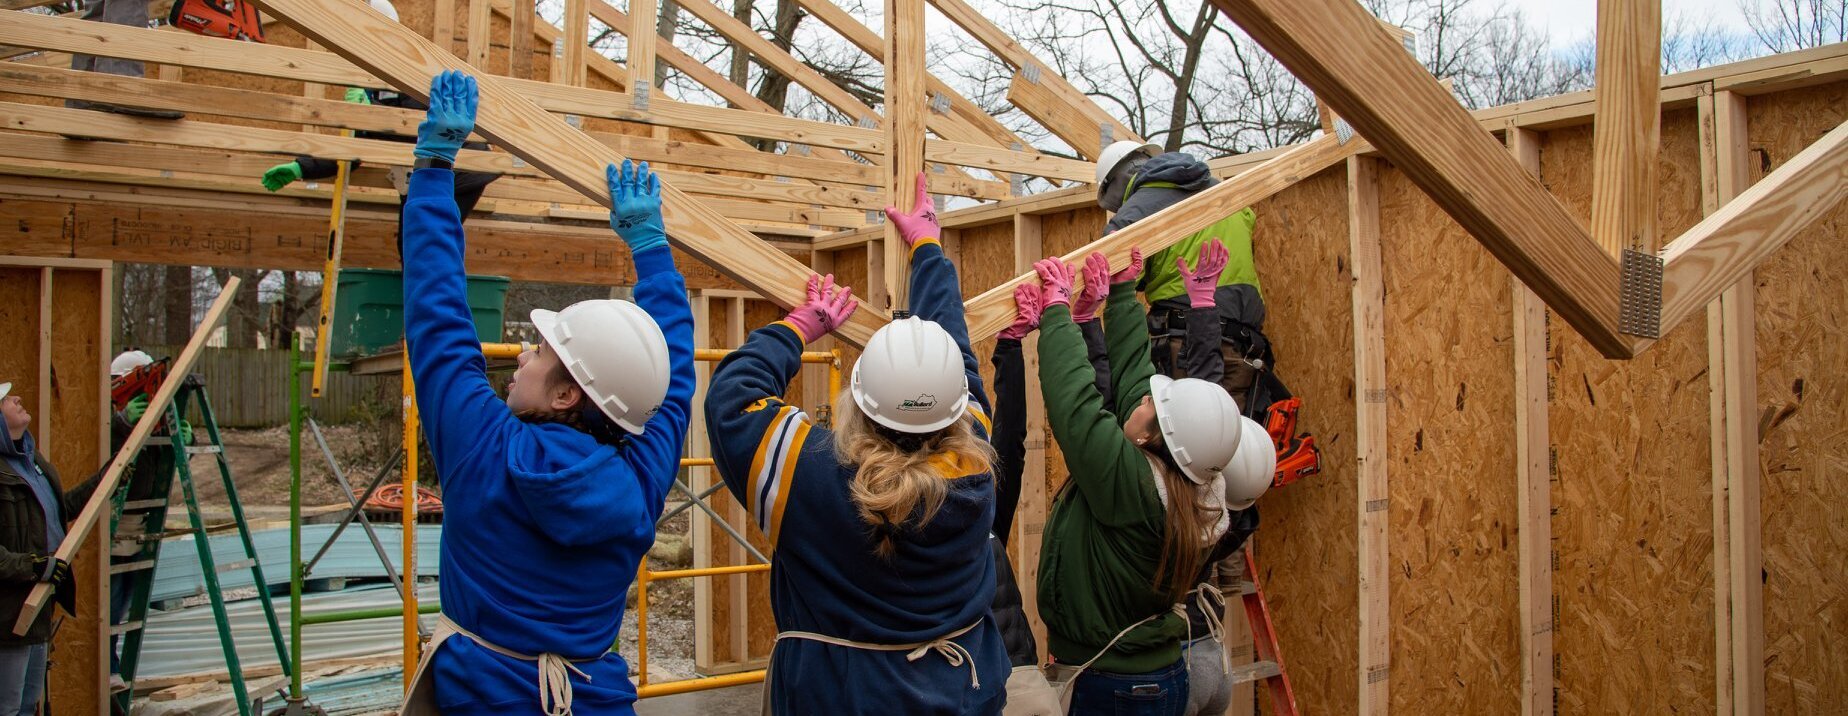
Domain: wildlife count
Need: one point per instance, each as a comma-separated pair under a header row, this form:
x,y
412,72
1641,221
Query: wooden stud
x,y
740,613
443,29
1370,415
1733,385
991,311
1723,248
520,50
904,104
577,43
549,36
1339,50
81,527
1031,512
781,61
1628,129
480,33
45,426
699,445
643,39
1531,444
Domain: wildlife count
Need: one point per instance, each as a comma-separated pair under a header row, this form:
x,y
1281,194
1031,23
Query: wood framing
x,y
1370,417
991,311
576,41
1732,379
1339,50
1534,501
643,40
1629,126
904,104
520,126
1031,511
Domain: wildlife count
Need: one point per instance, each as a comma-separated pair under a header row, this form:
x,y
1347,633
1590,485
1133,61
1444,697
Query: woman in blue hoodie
x,y
550,496
882,578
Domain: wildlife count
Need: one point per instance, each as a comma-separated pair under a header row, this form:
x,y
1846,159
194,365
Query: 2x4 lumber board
x,y
1007,161
480,33
1031,512
1724,247
1020,58
189,50
994,309
520,46
1534,497
642,41
904,103
1044,105
1733,384
699,445
93,511
1370,429
1339,50
443,28
510,121
1628,130
781,61
577,42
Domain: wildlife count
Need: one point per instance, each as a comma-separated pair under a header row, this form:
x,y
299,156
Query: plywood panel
x,y
78,354
1449,365
1803,429
1633,524
1306,545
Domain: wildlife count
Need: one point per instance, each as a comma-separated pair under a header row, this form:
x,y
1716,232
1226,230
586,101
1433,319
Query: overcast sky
x,y
1571,20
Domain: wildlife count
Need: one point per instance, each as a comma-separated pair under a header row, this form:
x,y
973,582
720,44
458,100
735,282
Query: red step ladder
x,y
1268,663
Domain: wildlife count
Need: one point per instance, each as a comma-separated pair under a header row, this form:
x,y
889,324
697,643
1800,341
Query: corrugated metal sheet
x,y
178,574
185,641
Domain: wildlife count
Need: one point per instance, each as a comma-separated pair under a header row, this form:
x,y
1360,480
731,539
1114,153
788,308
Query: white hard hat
x,y
616,353
385,8
1114,154
128,362
1199,423
1253,466
910,377
5,389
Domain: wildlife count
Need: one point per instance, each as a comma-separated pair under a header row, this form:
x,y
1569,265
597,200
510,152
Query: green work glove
x,y
135,408
282,175
185,433
357,96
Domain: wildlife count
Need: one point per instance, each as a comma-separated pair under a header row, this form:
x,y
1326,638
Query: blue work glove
x,y
451,116
635,206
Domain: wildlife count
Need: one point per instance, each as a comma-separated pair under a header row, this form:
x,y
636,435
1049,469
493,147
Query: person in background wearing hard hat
x,y
34,512
882,580
151,466
550,497
1132,528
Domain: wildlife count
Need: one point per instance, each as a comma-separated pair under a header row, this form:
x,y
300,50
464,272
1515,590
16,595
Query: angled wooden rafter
x,y
408,61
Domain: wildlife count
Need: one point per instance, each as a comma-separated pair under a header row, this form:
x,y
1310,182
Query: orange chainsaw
x,y
234,19
1297,455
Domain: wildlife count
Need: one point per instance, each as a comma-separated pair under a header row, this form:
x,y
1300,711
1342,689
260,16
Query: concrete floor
x,y
746,700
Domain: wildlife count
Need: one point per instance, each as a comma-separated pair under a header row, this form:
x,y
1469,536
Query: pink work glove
x,y
1056,280
1204,279
826,309
1027,297
921,223
1131,272
1096,275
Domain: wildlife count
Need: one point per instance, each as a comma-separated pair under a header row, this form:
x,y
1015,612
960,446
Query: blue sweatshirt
x,y
544,526
826,577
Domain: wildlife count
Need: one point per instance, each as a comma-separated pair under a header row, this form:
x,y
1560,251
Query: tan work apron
x,y
554,674
943,646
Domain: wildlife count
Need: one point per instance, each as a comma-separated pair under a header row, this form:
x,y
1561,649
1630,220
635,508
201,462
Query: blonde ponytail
x,y
893,480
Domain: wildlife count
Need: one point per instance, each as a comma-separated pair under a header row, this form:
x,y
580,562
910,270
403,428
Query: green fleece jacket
x,y
1103,540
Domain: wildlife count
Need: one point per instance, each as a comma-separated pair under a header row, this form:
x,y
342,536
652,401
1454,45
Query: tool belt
x,y
1249,376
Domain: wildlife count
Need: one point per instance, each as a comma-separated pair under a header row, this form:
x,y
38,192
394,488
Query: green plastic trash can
x,y
369,310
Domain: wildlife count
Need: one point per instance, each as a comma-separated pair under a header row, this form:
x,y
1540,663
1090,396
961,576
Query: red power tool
x,y
143,379
1297,455
234,19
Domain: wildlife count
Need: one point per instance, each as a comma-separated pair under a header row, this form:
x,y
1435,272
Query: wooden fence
x,y
249,388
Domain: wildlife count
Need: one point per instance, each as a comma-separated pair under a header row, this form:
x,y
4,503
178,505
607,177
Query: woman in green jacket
x,y
1130,529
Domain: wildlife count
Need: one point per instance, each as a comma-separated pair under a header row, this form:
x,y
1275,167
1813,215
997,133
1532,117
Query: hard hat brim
x,y
5,389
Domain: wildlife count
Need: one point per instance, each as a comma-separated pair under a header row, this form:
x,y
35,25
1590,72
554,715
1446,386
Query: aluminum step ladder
x,y
140,521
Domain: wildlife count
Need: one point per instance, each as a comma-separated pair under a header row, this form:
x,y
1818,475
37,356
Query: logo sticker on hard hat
x,y
922,402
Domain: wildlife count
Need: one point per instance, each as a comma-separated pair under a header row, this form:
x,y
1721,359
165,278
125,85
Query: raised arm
x,y
936,293
1204,331
456,403
660,290
1115,474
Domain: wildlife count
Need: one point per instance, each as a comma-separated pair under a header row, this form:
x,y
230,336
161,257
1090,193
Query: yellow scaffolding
x,y
413,639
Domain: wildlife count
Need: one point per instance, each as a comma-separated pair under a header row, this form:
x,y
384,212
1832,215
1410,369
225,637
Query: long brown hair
x,y
1183,540
894,473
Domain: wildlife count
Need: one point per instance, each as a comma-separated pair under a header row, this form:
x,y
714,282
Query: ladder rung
x,y
127,567
125,627
1245,586
240,564
203,449
143,504
1254,671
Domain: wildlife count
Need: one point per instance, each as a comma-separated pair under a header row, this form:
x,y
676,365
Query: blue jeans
x,y
22,678
1162,692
